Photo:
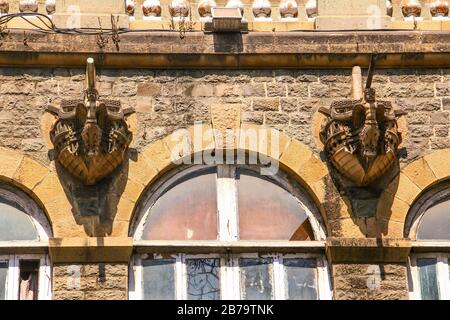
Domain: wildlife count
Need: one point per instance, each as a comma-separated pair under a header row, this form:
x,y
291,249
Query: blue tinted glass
x,y
15,224
203,279
3,276
159,279
301,279
428,279
256,279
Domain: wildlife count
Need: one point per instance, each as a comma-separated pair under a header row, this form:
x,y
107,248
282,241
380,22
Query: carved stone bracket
x,y
361,135
91,136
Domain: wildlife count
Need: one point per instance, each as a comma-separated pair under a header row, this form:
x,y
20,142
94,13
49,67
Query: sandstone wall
x,y
168,100
90,281
287,100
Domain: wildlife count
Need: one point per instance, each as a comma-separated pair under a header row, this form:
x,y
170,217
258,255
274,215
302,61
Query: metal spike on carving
x,y
90,136
361,135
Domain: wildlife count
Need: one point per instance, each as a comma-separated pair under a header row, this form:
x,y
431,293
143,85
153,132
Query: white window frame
x,y
12,281
442,275
44,232
228,236
227,202
230,276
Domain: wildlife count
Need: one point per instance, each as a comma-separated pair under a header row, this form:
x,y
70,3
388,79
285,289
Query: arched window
x,y
228,232
429,225
22,225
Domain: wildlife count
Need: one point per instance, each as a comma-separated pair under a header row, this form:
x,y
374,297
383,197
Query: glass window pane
x,y
269,212
256,279
188,209
3,277
435,223
300,275
15,224
428,279
159,279
203,277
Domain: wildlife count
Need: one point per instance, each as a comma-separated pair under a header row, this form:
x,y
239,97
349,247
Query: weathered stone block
x,y
349,7
440,118
87,6
443,89
298,90
276,118
148,89
267,104
276,90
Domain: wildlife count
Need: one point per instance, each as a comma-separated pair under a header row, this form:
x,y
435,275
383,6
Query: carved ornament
x,y
91,136
361,135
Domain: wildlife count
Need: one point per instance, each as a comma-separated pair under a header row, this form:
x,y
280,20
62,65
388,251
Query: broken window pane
x,y
159,279
435,223
256,278
268,212
3,277
428,279
300,275
15,224
28,281
188,209
203,279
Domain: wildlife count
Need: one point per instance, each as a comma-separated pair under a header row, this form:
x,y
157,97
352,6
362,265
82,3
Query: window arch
x,y
428,225
23,224
201,211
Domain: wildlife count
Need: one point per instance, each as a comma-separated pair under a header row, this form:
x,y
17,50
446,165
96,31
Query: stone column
x,y
90,14
352,15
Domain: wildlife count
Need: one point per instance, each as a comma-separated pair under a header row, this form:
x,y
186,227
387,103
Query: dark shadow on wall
x,y
95,207
370,207
228,43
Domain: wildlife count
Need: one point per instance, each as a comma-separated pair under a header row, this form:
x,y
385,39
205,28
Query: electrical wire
x,y
50,27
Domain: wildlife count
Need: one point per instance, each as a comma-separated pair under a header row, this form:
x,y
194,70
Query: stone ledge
x,y
367,250
71,250
262,50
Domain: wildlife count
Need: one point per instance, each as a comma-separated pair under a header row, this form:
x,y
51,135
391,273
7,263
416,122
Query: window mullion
x,y
227,203
323,280
44,282
180,276
137,276
442,277
278,278
13,278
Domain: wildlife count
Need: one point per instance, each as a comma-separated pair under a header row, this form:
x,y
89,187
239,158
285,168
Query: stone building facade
x,y
94,240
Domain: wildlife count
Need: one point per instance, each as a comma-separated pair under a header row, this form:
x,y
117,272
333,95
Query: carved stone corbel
x,y
361,135
90,136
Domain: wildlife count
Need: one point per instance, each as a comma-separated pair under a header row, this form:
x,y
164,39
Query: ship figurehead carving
x,y
90,136
361,135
